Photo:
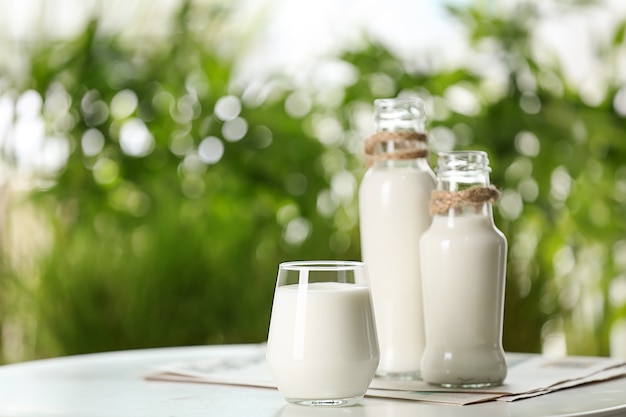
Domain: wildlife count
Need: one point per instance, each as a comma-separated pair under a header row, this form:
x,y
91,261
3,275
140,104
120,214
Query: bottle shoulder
x,y
465,225
392,173
391,182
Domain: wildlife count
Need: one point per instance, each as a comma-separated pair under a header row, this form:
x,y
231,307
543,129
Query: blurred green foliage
x,y
166,241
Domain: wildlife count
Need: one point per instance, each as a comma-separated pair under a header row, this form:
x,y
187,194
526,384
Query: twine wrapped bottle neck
x,y
441,201
407,145
463,184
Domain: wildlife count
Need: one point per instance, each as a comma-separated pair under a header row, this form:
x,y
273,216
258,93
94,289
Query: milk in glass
x,y
393,209
322,347
463,278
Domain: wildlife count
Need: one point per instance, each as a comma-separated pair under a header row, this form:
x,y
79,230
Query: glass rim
x,y
406,108
462,162
321,265
469,152
394,102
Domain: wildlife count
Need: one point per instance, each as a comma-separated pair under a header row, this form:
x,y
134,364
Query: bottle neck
x,y
454,180
400,132
463,176
455,185
390,154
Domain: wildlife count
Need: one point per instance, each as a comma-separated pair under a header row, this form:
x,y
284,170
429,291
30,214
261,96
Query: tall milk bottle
x,y
464,278
393,209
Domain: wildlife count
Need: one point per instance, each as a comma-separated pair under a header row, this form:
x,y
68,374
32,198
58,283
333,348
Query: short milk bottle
x,y
464,277
393,209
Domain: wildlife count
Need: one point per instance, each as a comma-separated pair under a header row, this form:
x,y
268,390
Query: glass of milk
x,y
322,348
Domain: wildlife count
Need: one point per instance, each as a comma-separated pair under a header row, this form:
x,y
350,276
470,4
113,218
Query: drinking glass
x,y
322,348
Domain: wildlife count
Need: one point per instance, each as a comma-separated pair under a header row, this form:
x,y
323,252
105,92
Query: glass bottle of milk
x,y
393,209
464,278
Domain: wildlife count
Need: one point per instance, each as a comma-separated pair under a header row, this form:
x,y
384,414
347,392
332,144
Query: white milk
x,y
393,204
466,262
322,341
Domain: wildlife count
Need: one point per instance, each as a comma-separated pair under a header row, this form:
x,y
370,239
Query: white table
x,y
111,384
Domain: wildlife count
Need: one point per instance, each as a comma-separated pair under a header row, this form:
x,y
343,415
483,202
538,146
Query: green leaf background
x,y
117,251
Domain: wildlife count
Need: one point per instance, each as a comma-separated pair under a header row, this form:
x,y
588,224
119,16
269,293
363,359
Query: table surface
x,y
112,384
